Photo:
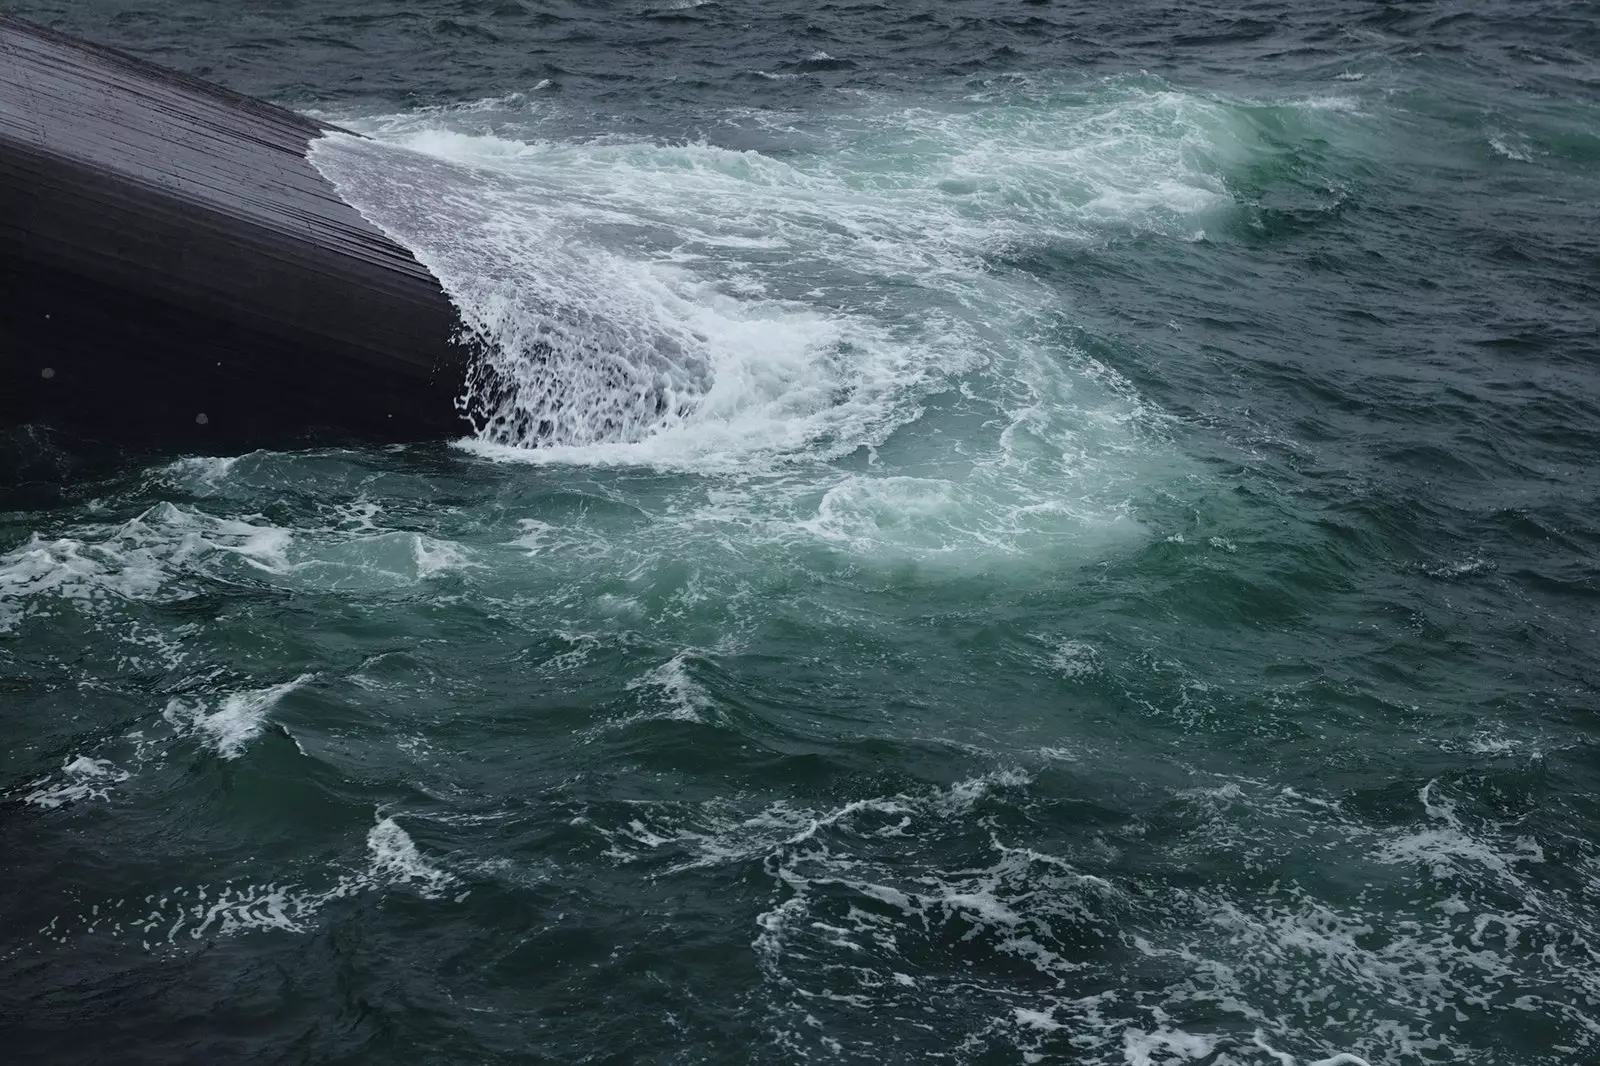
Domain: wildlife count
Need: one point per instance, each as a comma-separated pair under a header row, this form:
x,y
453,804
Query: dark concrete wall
x,y
174,274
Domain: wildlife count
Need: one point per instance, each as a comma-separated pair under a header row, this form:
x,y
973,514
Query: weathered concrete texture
x,y
174,274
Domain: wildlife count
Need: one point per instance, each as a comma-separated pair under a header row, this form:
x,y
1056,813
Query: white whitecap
x,y
81,778
237,720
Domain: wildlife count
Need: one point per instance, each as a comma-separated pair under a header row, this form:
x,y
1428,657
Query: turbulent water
x,y
995,532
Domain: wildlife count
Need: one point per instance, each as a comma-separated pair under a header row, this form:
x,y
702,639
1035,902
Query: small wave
x,y
396,861
205,472
171,553
1461,568
165,920
1511,147
819,62
1333,103
81,778
1076,659
685,698
237,720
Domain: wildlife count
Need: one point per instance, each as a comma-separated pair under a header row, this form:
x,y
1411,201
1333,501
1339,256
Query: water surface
x,y
996,533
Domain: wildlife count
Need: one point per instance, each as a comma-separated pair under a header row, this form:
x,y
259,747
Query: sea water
x,y
989,533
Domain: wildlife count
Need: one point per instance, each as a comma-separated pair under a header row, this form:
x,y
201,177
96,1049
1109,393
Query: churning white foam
x,y
202,472
694,306
169,552
616,350
892,911
66,568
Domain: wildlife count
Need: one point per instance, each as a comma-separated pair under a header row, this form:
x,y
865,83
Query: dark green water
x,y
1057,534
